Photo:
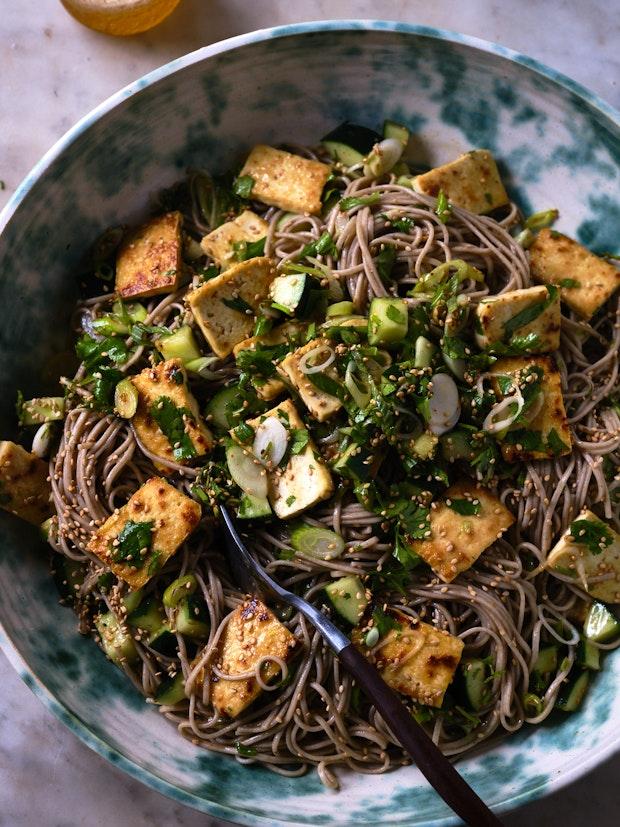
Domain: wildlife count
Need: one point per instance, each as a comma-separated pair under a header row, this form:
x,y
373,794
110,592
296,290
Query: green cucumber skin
x,y
361,139
348,605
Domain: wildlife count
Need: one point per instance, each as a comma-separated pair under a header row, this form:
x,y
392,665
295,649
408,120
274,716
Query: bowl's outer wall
x,y
554,149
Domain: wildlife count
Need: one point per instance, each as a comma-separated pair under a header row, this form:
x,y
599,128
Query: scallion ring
x,y
306,362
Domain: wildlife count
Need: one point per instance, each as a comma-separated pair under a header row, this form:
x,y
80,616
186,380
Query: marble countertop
x,y
53,72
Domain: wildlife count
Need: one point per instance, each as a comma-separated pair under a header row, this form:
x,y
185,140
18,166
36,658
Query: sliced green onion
x,y
203,366
359,391
110,326
320,543
40,410
340,309
542,219
179,589
126,398
525,239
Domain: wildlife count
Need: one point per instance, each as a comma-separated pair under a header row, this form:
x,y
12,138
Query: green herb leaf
x,y
443,210
467,508
244,433
95,353
133,539
327,385
242,186
142,333
528,440
246,752
517,346
384,623
323,246
299,440
591,533
555,444
352,201
568,283
384,263
170,420
104,383
395,315
239,304
155,563
245,250
530,313
402,225
208,273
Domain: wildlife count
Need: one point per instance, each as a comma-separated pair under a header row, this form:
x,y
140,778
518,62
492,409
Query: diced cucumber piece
x,y
355,463
191,618
317,542
179,345
475,674
349,142
163,641
287,292
252,508
132,600
68,575
47,528
573,693
116,642
340,309
110,326
424,352
179,589
148,616
224,409
171,692
249,474
42,409
547,660
457,445
391,129
126,399
425,445
387,321
348,597
284,218
600,624
588,655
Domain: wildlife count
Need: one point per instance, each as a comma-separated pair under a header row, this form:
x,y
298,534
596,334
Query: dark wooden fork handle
x,y
427,756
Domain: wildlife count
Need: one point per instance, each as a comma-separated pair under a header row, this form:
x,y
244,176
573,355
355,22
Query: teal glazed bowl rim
x,y
593,757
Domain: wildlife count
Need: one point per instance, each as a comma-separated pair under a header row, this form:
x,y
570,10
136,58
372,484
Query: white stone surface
x,y
53,71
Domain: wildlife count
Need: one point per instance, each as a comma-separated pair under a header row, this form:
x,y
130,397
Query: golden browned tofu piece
x,y
170,518
320,404
149,259
305,480
472,182
289,331
252,634
24,489
415,659
458,536
572,556
496,311
165,386
555,257
550,423
287,181
247,226
225,307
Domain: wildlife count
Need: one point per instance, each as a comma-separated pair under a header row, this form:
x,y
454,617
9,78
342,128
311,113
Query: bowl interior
x,y
555,149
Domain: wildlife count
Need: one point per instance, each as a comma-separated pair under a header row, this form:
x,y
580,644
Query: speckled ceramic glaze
x,y
557,146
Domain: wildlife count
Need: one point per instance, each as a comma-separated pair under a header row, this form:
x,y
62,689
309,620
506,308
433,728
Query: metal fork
x,y
253,579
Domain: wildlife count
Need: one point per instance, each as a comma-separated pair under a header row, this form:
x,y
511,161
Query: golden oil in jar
x,y
120,17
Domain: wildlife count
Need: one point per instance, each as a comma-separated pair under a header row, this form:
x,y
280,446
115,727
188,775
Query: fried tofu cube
x,y
494,312
168,381
305,480
148,261
24,489
284,180
548,431
415,659
574,555
171,517
555,257
471,181
247,226
253,634
320,404
224,307
463,524
284,333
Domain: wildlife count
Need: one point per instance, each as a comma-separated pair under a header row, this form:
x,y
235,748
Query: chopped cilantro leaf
x,y
242,187
245,250
591,533
170,420
467,508
352,201
299,439
384,263
239,304
384,623
443,210
555,444
133,539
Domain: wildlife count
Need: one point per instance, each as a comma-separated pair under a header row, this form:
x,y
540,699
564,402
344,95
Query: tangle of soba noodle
x,y
500,609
